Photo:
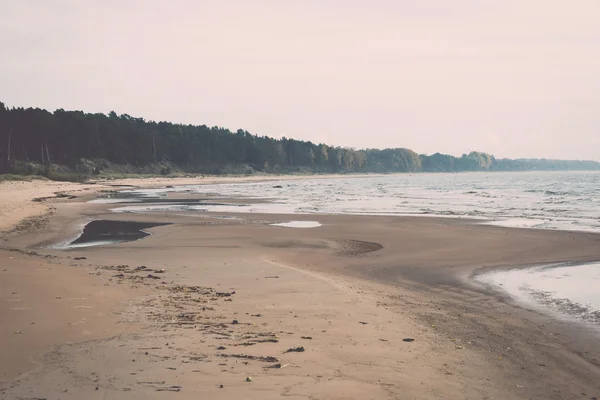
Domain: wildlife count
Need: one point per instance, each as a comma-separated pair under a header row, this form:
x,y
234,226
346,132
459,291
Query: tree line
x,y
68,138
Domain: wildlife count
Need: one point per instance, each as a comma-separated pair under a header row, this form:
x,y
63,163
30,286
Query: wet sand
x,y
236,294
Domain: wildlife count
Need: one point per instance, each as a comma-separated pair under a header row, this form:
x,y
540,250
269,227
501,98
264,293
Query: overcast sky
x,y
516,78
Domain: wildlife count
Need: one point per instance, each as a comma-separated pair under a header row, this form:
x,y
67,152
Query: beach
x,y
230,306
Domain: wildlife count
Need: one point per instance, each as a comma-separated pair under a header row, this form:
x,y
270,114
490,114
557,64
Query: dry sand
x,y
236,294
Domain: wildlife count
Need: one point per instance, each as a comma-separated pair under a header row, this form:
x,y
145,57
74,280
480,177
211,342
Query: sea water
x,y
545,200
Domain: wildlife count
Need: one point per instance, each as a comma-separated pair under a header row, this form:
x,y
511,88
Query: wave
x,y
557,193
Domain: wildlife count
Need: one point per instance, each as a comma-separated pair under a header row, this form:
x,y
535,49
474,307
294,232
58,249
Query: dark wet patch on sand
x,y
343,247
105,232
357,247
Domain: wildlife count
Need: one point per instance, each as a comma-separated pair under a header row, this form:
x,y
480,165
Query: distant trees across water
x,y
71,137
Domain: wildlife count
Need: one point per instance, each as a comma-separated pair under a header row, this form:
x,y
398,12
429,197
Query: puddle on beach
x,y
101,232
298,224
569,290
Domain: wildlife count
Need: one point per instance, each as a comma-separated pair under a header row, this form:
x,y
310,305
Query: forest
x,y
90,143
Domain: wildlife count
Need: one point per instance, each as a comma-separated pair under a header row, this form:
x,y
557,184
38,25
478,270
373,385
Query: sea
x,y
536,200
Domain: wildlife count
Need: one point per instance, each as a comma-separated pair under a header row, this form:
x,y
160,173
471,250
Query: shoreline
x,y
461,334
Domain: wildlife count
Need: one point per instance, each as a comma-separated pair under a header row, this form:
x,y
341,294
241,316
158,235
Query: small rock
x,y
235,322
362,322
306,337
221,348
408,340
220,386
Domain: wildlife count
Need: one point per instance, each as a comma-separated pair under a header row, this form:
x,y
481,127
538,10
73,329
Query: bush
x,y
65,176
12,177
165,171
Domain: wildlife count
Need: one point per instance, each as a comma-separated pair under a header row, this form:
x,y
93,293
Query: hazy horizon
x,y
517,79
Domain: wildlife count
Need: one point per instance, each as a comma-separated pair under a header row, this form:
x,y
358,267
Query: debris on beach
x,y
80,258
269,359
177,305
295,350
169,389
265,341
362,322
407,340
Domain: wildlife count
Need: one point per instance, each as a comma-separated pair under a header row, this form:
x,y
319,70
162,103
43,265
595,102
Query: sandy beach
x,y
364,307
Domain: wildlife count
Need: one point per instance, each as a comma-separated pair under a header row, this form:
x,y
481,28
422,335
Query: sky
x,y
515,78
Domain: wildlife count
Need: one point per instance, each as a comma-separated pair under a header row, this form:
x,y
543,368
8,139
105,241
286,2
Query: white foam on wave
x,y
519,223
298,224
113,201
151,208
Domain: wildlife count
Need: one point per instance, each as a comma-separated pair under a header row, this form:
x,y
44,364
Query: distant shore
x,y
371,307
